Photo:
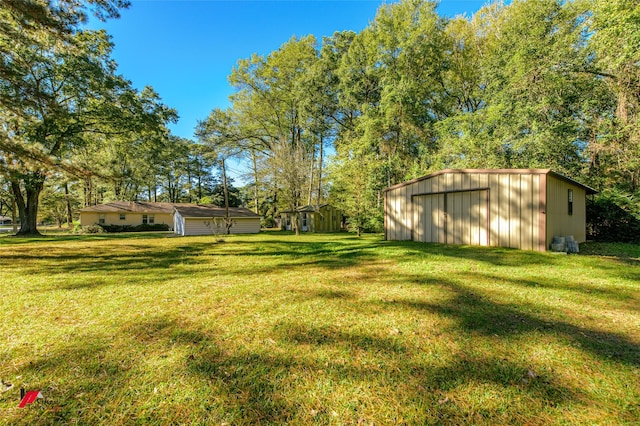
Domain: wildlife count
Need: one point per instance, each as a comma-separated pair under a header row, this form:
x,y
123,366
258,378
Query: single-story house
x,y
5,220
314,218
191,219
519,208
130,213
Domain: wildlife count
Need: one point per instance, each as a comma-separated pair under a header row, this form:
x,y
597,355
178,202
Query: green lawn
x,y
327,329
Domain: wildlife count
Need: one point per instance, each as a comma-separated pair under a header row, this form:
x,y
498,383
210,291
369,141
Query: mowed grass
x,y
316,329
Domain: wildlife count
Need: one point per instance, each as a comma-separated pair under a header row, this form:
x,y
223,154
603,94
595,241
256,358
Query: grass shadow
x,y
476,313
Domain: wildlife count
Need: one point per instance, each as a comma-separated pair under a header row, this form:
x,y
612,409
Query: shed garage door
x,y
455,217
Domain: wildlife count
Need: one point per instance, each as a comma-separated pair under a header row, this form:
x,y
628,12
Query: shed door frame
x,y
454,191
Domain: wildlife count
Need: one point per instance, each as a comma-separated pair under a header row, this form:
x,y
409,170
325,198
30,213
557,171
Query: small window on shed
x,y
570,202
123,216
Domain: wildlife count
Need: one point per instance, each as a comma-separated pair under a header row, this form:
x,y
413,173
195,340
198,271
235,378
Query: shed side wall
x,y
328,219
559,222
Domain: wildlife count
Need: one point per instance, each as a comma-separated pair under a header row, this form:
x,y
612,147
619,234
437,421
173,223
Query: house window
x,y
304,220
570,202
123,216
101,220
152,219
148,219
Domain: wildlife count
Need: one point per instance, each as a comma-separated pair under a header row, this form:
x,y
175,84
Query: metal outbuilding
x,y
314,218
518,208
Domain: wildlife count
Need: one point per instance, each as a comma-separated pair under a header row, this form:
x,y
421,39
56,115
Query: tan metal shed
x,y
314,218
518,208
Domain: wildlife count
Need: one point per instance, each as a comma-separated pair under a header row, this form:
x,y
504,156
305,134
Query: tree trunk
x,y
88,192
296,218
189,187
14,218
320,159
227,220
310,195
68,202
255,180
33,184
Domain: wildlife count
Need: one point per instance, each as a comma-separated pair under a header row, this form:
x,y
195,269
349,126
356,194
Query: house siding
x,y
520,209
131,218
201,226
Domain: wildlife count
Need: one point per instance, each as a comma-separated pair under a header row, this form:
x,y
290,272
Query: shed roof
x,y
308,208
204,211
550,172
131,207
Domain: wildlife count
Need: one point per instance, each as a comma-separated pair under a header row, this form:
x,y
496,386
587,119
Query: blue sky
x,y
186,49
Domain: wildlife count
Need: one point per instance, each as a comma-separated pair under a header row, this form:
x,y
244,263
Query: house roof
x,y
588,189
207,211
130,207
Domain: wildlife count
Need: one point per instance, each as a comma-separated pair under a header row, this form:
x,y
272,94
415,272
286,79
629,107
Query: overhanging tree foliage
x,y
64,90
535,83
532,83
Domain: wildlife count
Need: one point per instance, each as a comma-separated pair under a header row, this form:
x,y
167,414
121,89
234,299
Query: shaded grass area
x,y
325,329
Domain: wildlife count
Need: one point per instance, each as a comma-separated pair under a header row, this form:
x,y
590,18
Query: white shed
x,y
209,220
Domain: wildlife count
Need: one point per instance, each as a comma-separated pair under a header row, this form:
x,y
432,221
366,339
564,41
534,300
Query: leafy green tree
x,y
274,116
392,92
7,202
57,202
221,141
533,83
79,95
233,194
36,23
531,91
614,115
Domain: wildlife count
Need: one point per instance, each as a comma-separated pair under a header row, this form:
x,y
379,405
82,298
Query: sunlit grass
x,y
328,329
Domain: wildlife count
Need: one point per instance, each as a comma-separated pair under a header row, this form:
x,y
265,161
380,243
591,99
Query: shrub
x,y
77,228
93,229
613,217
268,222
151,227
137,228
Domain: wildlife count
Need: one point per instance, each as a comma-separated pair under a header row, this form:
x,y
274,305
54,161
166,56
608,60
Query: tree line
x,y
529,84
73,132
